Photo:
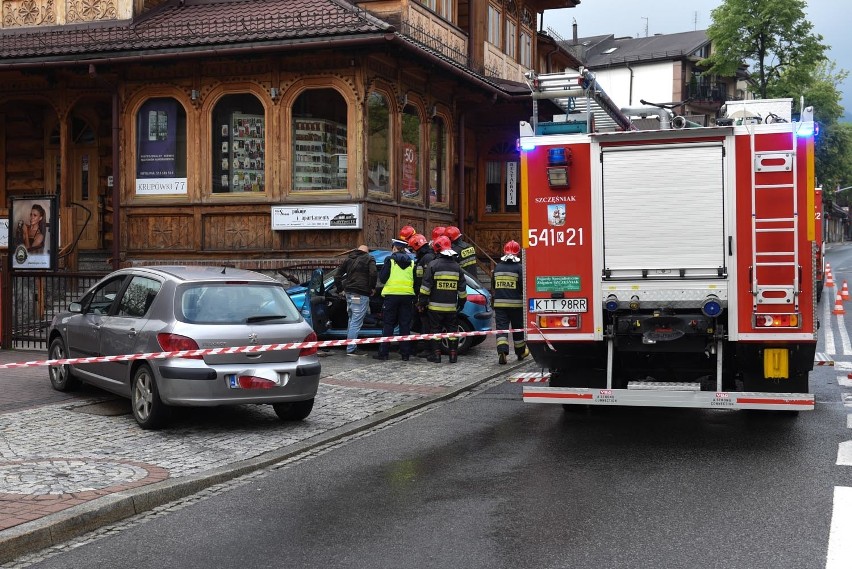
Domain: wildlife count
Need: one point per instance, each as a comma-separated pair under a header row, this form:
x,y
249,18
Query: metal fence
x,y
34,299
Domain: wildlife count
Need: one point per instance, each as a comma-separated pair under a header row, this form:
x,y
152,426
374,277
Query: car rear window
x,y
235,303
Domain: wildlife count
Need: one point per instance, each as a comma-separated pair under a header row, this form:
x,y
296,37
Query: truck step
x,y
665,385
530,377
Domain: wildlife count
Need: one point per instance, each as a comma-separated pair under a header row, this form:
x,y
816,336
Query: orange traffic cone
x,y
829,280
838,306
844,292
828,266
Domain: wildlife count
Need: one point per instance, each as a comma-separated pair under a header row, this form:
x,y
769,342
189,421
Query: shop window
x,y
239,145
410,154
493,25
320,141
501,186
438,163
378,143
161,147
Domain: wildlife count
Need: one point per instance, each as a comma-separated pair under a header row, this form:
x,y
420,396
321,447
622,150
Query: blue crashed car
x,y
325,310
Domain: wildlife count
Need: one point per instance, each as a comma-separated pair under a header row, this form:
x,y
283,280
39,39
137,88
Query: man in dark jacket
x,y
442,294
356,277
398,293
465,251
507,294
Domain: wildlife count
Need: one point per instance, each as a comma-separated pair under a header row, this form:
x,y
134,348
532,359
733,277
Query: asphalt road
x,y
484,480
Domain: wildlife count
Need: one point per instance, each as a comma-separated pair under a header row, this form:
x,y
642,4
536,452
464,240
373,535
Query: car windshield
x,y
234,303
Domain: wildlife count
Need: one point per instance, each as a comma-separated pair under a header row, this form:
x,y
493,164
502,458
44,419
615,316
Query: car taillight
x,y
477,299
776,321
177,343
312,337
558,320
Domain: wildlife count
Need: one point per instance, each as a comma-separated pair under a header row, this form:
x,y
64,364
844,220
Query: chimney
x,y
574,29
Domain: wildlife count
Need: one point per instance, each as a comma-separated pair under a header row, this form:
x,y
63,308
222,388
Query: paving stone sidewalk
x,y
70,463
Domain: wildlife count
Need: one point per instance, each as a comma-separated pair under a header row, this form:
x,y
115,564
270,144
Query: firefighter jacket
x,y
444,285
507,285
398,275
466,253
423,260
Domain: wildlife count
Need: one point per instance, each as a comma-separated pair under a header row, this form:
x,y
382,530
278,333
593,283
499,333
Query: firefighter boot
x,y
435,357
501,358
454,350
525,353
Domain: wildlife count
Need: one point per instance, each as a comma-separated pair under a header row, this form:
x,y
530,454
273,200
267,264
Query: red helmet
x,y
417,241
453,232
406,232
438,232
442,244
512,248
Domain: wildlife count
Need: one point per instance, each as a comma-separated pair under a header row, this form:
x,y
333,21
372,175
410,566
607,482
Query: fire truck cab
x,y
671,267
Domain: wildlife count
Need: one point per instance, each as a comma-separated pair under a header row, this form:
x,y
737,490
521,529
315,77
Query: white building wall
x,y
653,82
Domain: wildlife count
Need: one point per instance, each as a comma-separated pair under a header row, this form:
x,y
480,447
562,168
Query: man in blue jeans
x,y
356,277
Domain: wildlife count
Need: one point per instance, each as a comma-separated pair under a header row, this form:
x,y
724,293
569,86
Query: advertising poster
x,y
410,189
156,149
341,216
31,233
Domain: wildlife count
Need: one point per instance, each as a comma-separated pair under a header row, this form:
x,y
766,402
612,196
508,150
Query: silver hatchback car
x,y
166,309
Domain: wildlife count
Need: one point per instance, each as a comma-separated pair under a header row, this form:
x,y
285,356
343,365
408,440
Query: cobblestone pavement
x,y
70,463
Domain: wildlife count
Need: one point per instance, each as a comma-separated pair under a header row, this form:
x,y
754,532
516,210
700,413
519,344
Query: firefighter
x,y
406,233
437,232
442,294
465,251
507,298
425,255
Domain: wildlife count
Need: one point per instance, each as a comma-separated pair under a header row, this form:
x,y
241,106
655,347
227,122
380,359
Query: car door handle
x,y
131,332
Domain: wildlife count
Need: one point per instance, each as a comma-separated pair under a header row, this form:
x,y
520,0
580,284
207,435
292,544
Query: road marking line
x,y
844,381
844,453
843,366
839,544
844,336
849,421
830,348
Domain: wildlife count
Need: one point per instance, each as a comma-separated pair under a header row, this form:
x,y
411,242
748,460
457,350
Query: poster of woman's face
x,y
30,236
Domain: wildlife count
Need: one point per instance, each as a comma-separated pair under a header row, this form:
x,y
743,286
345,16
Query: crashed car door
x,y
315,297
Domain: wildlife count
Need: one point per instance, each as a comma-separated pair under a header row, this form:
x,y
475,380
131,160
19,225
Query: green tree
x,y
772,35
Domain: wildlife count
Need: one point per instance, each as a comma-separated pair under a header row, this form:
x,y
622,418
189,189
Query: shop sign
x,y
329,216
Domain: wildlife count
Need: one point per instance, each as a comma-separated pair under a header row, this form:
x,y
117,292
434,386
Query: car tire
x,y
148,409
465,342
294,411
61,377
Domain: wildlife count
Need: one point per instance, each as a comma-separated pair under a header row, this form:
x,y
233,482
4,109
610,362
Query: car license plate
x,y
559,305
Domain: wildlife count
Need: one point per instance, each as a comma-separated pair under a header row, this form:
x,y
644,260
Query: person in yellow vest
x,y
398,293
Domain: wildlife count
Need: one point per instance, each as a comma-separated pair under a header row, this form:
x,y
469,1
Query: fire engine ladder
x,y
560,87
775,261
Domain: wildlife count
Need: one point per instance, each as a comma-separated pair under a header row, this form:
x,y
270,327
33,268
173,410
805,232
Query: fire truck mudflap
x,y
671,267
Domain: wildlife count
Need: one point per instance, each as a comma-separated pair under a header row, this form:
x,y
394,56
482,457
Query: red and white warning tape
x,y
247,349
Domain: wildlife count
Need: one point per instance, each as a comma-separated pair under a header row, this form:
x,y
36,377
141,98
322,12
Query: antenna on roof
x,y
695,23
646,25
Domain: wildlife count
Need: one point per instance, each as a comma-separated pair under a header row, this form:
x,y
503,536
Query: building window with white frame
x,y
510,47
526,50
493,25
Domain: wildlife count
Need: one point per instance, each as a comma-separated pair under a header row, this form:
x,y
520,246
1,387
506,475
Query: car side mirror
x,y
75,307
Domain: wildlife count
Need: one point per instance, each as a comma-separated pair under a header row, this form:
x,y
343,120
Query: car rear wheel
x,y
61,377
293,411
465,342
148,409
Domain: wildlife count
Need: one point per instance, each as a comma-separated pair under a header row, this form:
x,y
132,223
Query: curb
x,y
62,526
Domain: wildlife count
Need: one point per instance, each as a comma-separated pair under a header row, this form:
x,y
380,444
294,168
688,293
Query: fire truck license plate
x,y
558,305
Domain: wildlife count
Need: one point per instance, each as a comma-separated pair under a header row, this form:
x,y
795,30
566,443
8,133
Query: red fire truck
x,y
819,244
668,267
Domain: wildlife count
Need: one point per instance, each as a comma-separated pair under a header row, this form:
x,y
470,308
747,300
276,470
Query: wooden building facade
x,y
262,132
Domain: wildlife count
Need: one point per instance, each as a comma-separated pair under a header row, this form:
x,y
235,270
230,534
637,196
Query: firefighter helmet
x,y
453,232
417,241
443,246
406,232
512,248
438,232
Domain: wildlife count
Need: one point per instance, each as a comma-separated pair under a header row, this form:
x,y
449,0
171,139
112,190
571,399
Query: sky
x,y
630,18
